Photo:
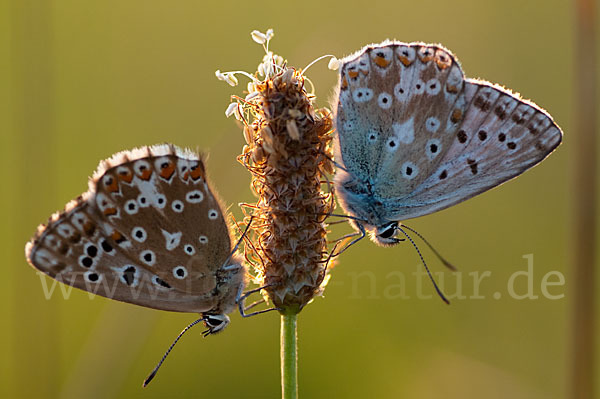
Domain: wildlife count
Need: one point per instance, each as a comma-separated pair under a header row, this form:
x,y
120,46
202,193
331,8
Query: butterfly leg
x,y
253,304
242,299
337,165
361,234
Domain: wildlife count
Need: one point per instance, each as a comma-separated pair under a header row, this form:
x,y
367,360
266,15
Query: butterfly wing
x,y
409,124
128,238
398,108
500,137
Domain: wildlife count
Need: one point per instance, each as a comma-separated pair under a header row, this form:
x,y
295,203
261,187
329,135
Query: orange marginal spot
x,y
113,187
110,211
89,228
146,173
365,72
456,115
196,172
344,85
381,62
126,176
353,74
451,89
117,237
442,59
425,56
167,172
404,60
441,64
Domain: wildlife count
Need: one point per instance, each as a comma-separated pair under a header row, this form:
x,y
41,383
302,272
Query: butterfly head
x,y
214,323
385,234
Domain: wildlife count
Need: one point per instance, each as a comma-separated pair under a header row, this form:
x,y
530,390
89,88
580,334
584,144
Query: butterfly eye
x,y
216,323
388,232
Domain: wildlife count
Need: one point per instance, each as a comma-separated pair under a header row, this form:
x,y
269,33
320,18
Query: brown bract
x,y
288,154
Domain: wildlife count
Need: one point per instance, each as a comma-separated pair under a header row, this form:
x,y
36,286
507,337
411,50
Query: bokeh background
x,y
82,80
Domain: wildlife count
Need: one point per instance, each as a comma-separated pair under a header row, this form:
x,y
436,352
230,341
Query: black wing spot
x,y
473,165
129,275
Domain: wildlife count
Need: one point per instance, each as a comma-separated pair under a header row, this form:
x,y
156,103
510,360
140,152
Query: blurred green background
x,y
82,80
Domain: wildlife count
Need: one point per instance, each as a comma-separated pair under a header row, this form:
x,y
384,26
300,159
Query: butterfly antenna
x,y
440,257
424,264
153,373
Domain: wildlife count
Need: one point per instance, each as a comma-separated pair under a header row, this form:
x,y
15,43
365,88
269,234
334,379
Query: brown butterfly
x,y
149,231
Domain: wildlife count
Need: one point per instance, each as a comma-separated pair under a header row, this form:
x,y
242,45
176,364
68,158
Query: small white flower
x,y
258,37
261,69
231,109
334,64
270,34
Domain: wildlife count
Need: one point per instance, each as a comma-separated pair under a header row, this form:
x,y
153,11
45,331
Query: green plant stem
x,y
289,356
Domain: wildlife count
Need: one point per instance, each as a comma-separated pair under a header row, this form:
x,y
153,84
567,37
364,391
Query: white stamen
x,y
231,79
258,37
270,34
231,109
252,95
334,64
